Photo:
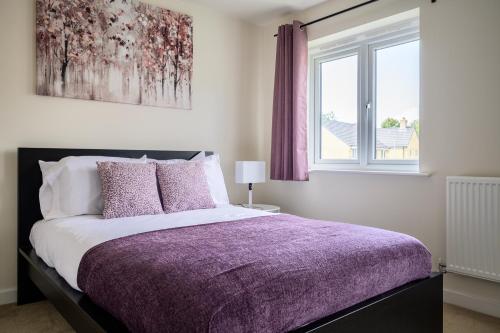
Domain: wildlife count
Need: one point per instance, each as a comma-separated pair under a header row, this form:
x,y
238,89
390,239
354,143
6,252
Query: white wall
x,y
221,118
460,129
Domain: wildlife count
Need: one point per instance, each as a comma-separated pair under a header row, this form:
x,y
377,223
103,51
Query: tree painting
x,y
121,51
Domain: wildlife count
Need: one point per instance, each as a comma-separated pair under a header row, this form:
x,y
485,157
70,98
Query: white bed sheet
x,y
61,243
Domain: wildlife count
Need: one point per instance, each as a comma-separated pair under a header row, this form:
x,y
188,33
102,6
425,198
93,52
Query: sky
x,y
397,84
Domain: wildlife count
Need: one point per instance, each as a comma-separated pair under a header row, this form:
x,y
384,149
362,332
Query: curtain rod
x,y
341,12
335,14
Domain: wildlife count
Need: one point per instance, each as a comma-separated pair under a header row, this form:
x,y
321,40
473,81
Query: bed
x,y
409,304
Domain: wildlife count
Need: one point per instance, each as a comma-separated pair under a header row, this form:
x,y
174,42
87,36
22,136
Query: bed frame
x,y
414,307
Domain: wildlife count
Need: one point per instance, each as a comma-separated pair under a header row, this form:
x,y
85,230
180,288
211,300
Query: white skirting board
x,y
476,303
8,296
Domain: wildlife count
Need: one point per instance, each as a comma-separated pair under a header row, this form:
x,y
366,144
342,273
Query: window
x,y
396,101
339,105
365,102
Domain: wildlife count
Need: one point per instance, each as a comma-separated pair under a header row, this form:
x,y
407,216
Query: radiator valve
x,y
441,266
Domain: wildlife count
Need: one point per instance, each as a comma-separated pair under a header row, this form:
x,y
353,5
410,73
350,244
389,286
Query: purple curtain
x,y
289,136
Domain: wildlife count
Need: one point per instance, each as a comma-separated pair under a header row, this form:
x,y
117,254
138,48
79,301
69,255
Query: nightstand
x,y
266,208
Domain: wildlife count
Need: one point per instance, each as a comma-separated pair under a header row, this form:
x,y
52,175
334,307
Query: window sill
x,y
370,172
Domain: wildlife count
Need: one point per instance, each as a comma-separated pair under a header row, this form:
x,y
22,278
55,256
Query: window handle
x,y
368,107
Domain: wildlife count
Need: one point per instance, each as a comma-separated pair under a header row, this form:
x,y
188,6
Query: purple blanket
x,y
263,274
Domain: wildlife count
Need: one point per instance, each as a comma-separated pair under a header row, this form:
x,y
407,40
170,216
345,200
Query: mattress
x,y
227,269
61,243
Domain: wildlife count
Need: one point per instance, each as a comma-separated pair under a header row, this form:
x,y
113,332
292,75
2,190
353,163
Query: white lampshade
x,y
250,172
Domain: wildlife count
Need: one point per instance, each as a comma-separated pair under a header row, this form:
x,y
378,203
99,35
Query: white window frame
x,y
366,49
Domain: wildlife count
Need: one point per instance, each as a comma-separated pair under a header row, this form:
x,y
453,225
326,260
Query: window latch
x,y
368,107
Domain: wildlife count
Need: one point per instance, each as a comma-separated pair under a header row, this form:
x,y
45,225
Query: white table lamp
x,y
250,172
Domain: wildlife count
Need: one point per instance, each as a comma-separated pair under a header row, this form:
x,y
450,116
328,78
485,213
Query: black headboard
x,y
30,178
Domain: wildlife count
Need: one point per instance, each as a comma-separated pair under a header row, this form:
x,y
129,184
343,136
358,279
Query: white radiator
x,y
473,226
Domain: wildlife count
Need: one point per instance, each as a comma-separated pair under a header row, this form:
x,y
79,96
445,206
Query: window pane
x,y
339,108
397,85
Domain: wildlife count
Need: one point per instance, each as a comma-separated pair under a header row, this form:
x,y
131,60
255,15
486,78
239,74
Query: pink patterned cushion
x,y
183,186
129,189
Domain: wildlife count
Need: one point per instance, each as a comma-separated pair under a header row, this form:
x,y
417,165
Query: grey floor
x,y
43,317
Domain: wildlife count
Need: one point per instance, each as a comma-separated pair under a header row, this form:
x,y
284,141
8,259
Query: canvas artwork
x,y
121,51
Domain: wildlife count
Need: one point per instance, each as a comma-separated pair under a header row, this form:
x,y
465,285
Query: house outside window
x,y
364,100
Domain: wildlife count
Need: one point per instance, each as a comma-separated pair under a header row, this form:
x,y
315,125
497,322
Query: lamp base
x,y
248,205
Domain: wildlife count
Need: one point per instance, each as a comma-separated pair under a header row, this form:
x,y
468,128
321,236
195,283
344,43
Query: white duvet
x,y
61,243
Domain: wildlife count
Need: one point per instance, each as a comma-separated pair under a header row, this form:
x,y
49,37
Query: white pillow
x,y
215,180
214,175
72,186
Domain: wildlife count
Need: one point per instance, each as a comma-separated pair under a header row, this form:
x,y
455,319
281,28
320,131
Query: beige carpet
x,y
43,317
459,320
35,317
